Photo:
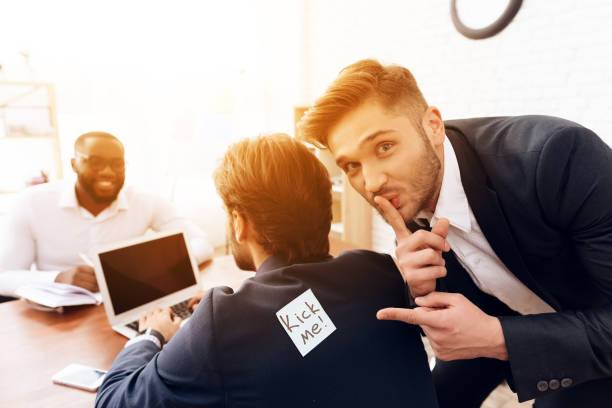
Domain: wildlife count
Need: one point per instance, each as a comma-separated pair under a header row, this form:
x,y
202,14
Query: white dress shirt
x,y
47,227
472,248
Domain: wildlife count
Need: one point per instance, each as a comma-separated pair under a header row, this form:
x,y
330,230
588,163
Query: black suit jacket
x,y
234,352
541,190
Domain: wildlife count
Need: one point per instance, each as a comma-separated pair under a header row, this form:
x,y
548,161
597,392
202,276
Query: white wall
x,y
555,58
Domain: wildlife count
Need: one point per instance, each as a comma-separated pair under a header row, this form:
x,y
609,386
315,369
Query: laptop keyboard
x,y
180,309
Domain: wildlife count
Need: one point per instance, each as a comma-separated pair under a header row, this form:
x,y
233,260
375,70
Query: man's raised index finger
x,y
393,217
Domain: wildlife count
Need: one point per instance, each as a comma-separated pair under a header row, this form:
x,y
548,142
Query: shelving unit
x,y
29,139
351,214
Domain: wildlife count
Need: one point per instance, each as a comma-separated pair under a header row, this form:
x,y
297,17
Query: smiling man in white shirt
x,y
52,224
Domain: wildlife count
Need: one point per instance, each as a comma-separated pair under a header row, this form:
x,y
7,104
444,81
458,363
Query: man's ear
x,y
74,165
434,126
240,226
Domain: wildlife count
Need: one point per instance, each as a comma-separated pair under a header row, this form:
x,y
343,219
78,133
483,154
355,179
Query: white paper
x,y
58,294
305,322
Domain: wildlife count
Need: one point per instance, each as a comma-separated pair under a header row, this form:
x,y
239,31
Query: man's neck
x,y
88,203
259,257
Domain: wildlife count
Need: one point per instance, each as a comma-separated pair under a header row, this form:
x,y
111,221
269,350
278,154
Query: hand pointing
x,y
456,328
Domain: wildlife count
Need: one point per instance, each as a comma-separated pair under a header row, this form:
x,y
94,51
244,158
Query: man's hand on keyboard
x,y
195,301
162,320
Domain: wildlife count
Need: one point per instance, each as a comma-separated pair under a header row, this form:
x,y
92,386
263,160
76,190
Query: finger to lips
x,y
393,217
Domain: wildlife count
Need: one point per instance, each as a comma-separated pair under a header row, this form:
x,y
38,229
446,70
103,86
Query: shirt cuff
x,y
143,337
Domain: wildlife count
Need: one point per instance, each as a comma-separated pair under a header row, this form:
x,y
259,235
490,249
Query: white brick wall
x,y
555,58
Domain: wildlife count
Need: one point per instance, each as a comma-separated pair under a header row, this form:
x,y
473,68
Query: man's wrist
x,y
152,332
498,348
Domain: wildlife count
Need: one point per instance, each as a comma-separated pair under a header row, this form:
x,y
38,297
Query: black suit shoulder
x,y
507,135
351,270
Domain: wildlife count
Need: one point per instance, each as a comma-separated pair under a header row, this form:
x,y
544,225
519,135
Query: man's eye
x,y
384,147
96,161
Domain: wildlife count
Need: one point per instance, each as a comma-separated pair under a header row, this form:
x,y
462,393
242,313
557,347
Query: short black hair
x,y
80,142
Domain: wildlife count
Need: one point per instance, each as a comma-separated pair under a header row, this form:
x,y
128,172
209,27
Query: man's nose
x,y
374,180
107,170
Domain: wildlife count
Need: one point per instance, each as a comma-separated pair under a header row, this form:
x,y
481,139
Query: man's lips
x,y
393,199
105,184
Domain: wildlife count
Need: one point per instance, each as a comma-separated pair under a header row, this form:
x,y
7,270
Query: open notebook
x,y
54,296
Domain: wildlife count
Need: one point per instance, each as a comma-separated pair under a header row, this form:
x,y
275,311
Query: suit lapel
x,y
485,205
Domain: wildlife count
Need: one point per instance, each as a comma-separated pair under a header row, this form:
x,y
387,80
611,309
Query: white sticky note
x,y
305,322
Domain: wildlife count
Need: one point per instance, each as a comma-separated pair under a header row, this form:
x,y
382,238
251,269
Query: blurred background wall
x,y
178,81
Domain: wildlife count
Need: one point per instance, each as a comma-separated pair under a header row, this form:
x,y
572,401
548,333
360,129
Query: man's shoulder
x,y
44,192
355,261
365,257
504,135
507,123
351,270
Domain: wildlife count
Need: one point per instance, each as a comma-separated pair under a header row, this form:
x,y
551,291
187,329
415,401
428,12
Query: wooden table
x,y
35,345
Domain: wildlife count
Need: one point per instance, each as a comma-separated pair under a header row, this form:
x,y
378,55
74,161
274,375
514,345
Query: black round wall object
x,y
478,33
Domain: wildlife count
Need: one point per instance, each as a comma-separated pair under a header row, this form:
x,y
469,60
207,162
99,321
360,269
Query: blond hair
x,y
283,190
392,86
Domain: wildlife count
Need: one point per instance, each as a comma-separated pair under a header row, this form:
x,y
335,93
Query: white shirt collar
x,y
68,199
452,201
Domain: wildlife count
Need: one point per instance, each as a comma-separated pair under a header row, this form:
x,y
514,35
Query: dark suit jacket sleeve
x,y
574,184
185,373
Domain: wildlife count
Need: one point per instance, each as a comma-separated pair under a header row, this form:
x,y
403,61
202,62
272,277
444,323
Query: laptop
x,y
139,275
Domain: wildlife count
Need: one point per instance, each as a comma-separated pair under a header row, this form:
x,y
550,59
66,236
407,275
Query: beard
x,y
242,256
422,188
87,184
424,184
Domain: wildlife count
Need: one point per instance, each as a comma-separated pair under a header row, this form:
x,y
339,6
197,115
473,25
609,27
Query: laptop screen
x,y
143,272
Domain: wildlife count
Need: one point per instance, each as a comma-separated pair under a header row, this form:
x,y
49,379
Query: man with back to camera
x,y
524,205
53,223
235,351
